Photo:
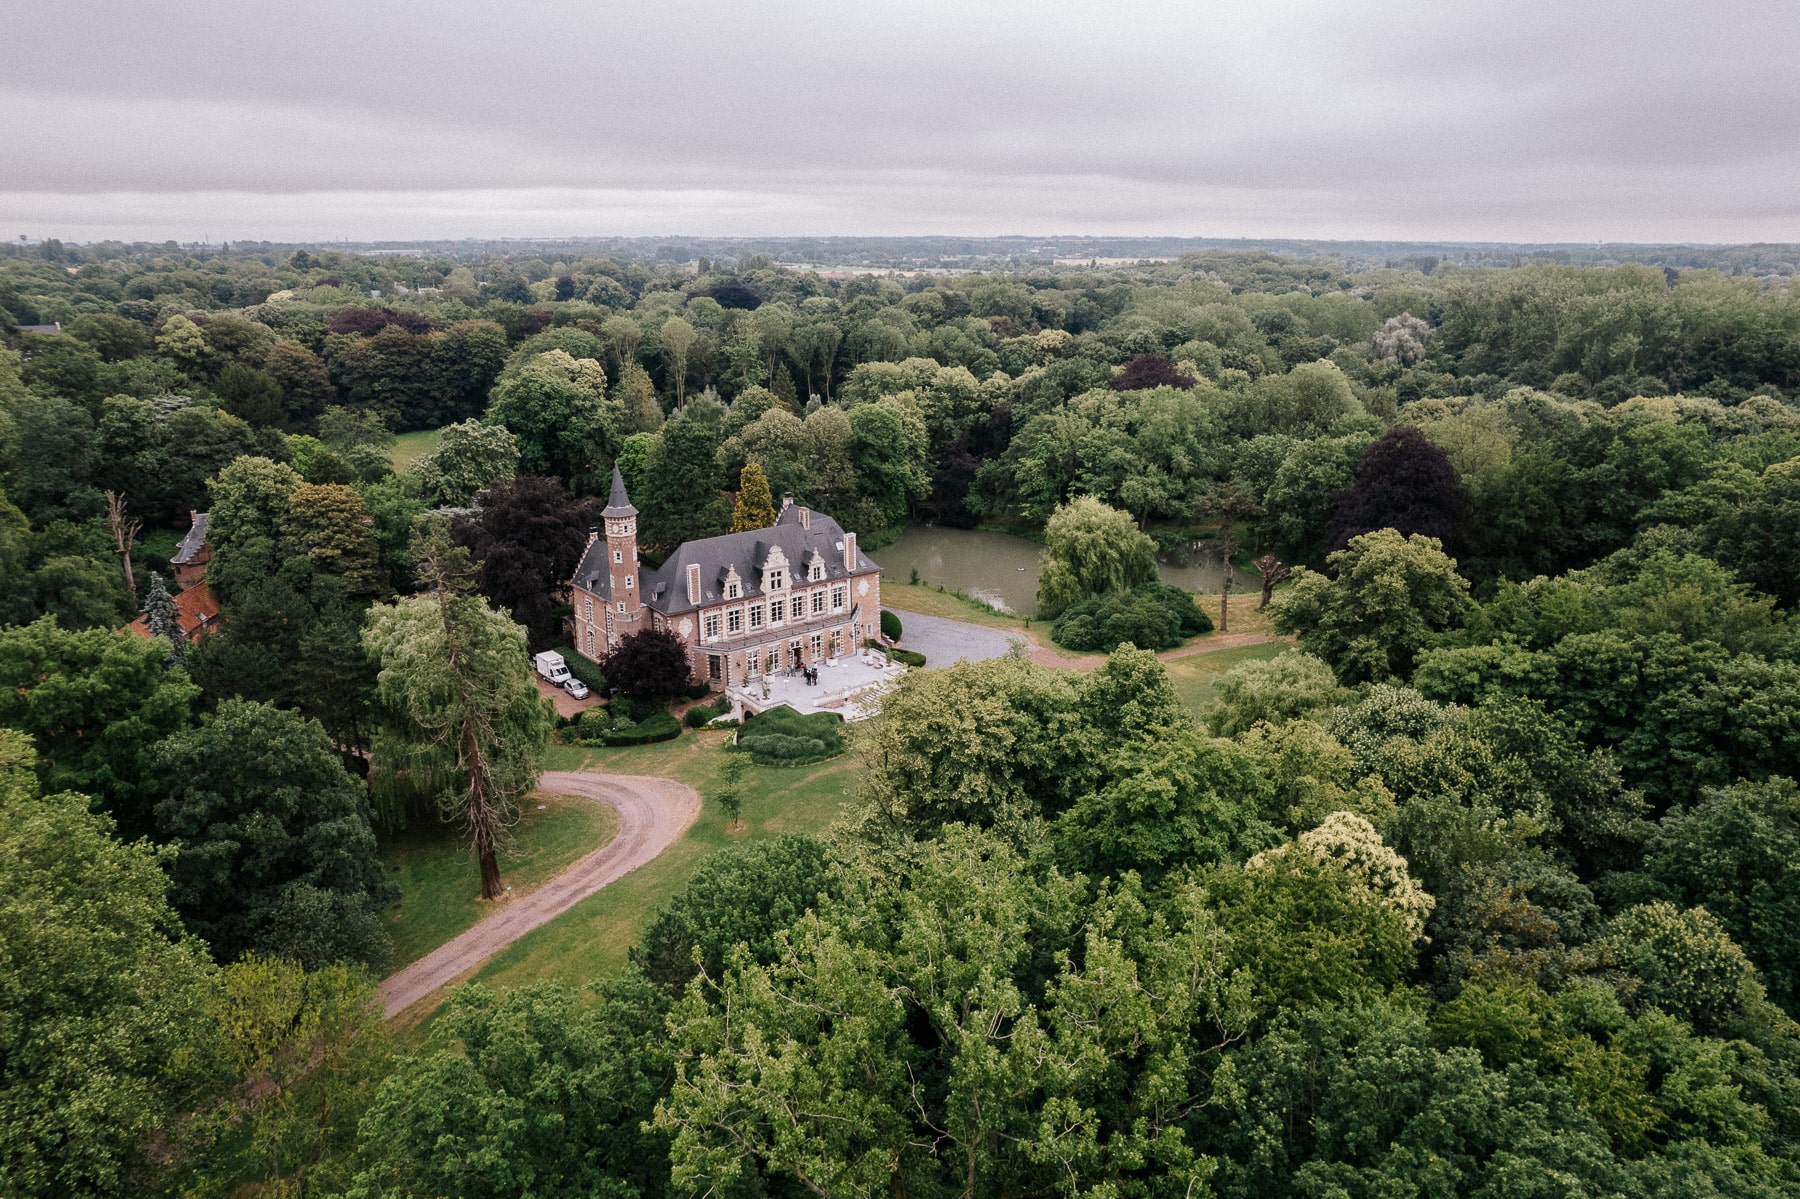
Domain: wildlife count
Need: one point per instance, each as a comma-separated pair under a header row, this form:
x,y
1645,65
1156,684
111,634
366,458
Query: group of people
x,y
810,674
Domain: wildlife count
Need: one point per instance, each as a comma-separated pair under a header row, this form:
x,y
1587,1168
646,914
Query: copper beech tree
x,y
465,718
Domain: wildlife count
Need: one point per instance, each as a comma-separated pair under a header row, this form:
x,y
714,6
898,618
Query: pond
x,y
998,568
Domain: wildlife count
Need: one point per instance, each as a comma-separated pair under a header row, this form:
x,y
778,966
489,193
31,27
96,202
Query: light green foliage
x,y
1390,596
275,853
1275,691
1091,549
1308,774
106,997
1349,842
1689,965
307,1050
558,408
250,507
470,457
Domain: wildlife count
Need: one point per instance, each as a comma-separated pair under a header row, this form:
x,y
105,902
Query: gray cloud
x,y
1502,121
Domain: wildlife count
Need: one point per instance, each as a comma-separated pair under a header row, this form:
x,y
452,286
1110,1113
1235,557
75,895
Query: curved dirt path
x,y
653,814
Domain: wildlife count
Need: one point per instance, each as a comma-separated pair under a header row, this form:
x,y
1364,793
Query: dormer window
x,y
816,571
732,590
777,579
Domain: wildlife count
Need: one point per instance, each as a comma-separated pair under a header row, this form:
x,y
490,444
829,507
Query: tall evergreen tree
x,y
164,619
754,507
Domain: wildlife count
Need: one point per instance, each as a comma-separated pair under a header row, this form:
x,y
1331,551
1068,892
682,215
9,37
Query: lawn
x,y
930,601
1196,677
410,447
590,941
441,886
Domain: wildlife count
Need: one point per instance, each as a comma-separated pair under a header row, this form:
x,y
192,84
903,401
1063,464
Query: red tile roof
x,y
197,608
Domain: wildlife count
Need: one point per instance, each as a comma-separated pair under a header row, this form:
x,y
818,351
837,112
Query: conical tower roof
x,y
619,504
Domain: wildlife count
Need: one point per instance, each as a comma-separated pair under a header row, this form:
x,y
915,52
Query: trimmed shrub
x,y
1150,617
907,656
634,708
660,727
890,625
698,690
701,715
594,723
781,736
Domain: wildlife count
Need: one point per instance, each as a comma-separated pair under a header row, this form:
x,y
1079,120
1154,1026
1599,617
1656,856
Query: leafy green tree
x,y
308,1050
249,513
465,719
1091,549
1736,854
1287,687
466,358
534,1091
753,507
743,895
558,409
1390,596
328,523
680,492
276,853
93,702
888,445
107,998
470,457
306,388
1300,497
1176,801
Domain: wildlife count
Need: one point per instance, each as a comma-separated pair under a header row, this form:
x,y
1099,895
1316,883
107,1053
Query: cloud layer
x,y
1539,122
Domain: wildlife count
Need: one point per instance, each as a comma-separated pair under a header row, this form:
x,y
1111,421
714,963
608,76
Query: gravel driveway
x,y
944,641
653,814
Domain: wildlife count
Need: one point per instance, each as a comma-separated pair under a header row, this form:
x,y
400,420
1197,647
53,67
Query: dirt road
x,y
653,814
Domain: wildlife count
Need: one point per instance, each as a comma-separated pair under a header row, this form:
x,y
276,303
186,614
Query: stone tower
x,y
624,614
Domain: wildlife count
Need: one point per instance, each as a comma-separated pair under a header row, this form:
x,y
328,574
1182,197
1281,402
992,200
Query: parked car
x,y
576,687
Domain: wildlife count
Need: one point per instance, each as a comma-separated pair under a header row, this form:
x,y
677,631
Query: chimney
x,y
693,581
805,515
849,551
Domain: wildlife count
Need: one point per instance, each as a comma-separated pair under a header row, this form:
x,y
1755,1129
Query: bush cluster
x,y
781,736
1153,616
660,727
701,715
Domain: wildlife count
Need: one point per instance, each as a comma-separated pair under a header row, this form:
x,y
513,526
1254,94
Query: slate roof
x,y
618,504
194,542
665,588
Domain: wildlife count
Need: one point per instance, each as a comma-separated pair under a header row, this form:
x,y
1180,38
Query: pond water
x,y
998,568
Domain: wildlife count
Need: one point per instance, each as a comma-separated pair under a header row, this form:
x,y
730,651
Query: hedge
x,y
700,715
660,727
897,654
783,737
588,672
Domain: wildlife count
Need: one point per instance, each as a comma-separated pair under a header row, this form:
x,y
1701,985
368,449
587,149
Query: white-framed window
x,y
621,607
588,604
777,579
734,621
628,581
777,611
818,602
618,555
732,590
840,595
709,626
590,641
816,571
818,646
756,616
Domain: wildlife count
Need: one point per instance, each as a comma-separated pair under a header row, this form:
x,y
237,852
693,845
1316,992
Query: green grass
x,y
1196,677
410,447
441,885
590,941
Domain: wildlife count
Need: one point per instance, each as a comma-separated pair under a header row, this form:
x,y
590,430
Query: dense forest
x,y
1488,885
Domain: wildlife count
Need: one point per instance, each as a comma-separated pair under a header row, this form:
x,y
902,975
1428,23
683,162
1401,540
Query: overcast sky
x,y
362,119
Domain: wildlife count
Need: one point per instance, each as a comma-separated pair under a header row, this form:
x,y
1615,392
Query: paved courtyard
x,y
852,688
944,641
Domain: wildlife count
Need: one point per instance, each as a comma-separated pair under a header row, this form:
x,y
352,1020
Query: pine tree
x,y
164,619
755,507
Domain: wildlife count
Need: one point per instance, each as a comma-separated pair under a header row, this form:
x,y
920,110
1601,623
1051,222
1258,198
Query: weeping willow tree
x,y
463,716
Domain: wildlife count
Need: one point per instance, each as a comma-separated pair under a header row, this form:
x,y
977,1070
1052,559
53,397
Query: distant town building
x,y
746,604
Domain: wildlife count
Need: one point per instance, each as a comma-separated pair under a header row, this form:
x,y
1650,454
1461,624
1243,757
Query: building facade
x,y
746,605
